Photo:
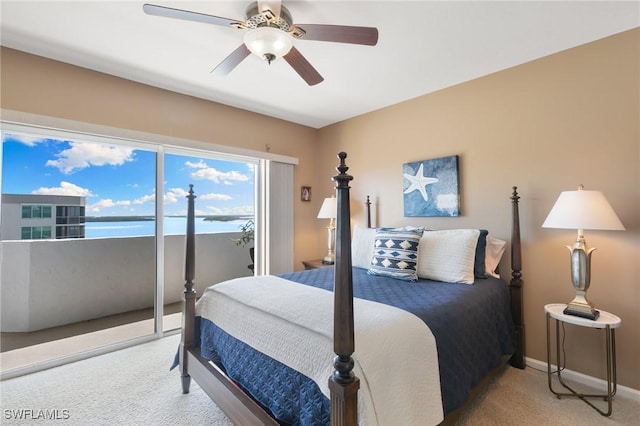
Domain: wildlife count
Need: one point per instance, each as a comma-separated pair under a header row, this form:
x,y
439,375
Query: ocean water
x,y
172,225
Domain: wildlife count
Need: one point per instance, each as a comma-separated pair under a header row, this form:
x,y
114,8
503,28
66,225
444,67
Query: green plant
x,y
247,233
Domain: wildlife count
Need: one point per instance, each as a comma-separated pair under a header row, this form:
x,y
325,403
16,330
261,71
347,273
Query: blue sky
x,y
119,180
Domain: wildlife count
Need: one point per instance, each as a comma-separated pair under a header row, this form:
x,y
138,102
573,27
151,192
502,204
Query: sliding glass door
x,y
78,244
225,207
91,258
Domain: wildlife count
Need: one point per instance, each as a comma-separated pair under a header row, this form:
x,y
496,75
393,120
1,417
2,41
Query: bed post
x,y
343,384
189,296
515,285
368,204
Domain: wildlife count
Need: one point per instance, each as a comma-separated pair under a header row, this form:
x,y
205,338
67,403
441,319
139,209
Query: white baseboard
x,y
583,379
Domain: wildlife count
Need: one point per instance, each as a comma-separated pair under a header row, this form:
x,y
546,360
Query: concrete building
x,y
36,217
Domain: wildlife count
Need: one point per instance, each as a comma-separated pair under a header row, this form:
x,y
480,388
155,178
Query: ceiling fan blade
x,y
338,33
303,67
168,12
231,61
273,5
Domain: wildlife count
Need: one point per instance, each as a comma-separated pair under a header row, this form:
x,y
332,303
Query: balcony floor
x,y
23,349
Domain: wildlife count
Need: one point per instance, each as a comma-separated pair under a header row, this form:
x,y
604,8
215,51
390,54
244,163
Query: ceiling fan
x,y
270,33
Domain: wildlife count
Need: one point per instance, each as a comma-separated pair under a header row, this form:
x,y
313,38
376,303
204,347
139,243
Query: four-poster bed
x,y
228,347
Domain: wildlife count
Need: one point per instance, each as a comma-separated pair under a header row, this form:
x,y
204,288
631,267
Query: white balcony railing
x,y
47,283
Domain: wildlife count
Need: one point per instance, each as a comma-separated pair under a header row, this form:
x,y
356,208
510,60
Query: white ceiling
x,y
424,46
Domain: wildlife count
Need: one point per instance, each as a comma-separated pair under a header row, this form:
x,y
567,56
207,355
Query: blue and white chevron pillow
x,y
395,253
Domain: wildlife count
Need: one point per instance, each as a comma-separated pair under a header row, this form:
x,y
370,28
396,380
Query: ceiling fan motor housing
x,y
257,19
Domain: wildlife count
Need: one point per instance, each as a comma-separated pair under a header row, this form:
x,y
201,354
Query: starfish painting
x,y
419,182
431,187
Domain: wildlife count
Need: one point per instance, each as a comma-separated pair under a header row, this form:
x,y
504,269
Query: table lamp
x,y
582,210
328,211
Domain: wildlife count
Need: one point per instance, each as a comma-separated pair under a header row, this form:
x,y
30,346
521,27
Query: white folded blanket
x,y
395,352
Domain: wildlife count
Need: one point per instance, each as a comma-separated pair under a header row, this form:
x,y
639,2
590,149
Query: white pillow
x,y
493,254
362,246
448,255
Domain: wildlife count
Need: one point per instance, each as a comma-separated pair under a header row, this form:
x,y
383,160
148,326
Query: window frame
x,y
35,207
39,229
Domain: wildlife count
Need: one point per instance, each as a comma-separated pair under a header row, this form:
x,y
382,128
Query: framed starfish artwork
x,y
430,187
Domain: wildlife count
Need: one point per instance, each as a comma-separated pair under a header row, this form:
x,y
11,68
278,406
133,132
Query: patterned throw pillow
x,y
395,253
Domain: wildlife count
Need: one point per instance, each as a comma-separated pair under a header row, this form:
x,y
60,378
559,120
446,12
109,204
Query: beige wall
x,y
40,86
545,126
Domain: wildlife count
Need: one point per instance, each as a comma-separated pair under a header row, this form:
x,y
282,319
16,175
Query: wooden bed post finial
x,y
342,167
343,384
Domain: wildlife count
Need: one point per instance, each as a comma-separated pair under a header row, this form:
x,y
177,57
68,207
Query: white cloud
x,y
65,188
175,194
145,199
24,139
216,197
82,155
205,172
179,192
199,165
215,175
106,203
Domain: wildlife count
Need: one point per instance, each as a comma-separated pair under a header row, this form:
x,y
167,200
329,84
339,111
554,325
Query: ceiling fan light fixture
x,y
268,42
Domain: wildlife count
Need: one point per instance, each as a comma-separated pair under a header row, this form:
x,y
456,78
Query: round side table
x,y
606,321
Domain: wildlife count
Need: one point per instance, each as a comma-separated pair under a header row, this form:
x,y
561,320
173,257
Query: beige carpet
x,y
134,387
522,397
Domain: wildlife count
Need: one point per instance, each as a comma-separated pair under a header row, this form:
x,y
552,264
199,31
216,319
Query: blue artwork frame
x,y
430,187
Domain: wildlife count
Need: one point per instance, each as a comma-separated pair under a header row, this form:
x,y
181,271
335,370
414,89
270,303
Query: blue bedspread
x,y
471,324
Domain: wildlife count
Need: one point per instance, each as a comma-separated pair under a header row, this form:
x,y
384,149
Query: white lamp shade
x,y
329,209
583,210
268,40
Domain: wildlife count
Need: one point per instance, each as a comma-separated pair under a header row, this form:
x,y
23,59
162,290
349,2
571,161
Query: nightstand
x,y
314,264
606,321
